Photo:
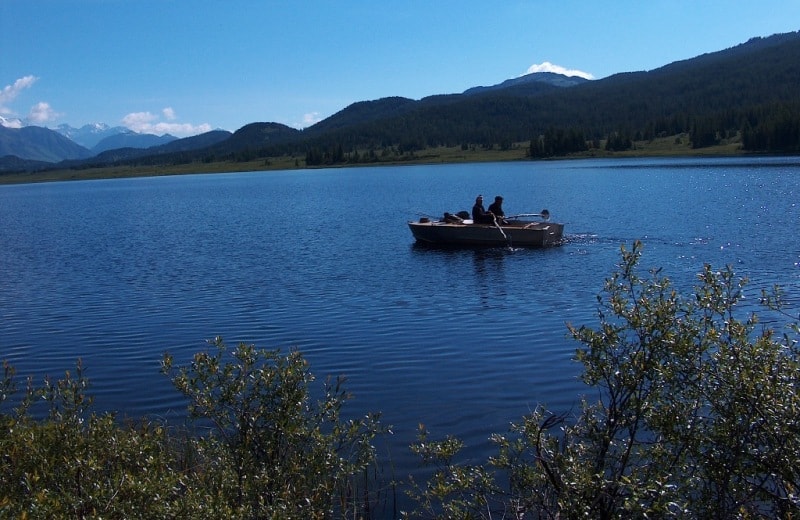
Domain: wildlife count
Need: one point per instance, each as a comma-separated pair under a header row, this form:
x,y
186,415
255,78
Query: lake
x,y
117,272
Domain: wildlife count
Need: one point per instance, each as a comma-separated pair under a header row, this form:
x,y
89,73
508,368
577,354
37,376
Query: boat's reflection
x,y
488,273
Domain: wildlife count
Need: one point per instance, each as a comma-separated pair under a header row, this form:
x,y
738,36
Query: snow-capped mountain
x,y
90,135
11,123
37,143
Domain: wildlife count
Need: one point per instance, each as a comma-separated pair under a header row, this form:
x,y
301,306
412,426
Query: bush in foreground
x,y
270,451
274,451
696,415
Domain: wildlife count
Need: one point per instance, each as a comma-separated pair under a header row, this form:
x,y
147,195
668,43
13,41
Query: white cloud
x,y
149,123
309,119
39,114
558,69
42,113
9,92
138,120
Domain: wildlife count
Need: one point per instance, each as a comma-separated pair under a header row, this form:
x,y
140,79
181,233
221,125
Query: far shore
x,y
673,146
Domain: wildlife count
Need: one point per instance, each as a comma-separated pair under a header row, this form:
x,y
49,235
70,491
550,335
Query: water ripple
x,y
118,272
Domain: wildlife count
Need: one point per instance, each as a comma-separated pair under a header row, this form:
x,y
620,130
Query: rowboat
x,y
514,231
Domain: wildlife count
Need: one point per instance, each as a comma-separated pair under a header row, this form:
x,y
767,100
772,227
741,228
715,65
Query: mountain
x,y
195,142
534,83
68,143
256,135
362,112
39,144
173,151
89,135
365,112
11,164
246,142
747,92
11,123
131,139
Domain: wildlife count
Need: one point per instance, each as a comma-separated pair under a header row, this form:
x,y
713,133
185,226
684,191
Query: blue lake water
x,y
116,272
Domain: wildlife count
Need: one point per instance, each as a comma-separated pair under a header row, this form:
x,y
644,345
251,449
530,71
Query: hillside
x,y
131,139
175,151
38,144
747,92
724,90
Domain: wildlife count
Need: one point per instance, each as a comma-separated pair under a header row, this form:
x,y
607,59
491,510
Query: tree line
x,y
747,93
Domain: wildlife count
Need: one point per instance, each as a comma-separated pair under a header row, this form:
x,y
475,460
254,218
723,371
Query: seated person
x,y
496,208
480,215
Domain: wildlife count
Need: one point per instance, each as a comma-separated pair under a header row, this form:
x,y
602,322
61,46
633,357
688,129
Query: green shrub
x,y
277,452
76,464
696,415
272,452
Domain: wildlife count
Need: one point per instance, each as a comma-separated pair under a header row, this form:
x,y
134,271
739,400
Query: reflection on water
x,y
490,280
487,276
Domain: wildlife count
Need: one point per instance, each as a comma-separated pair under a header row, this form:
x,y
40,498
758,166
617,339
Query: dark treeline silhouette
x,y
749,91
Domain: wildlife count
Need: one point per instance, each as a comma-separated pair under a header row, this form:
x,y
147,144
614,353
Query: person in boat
x,y
496,209
479,214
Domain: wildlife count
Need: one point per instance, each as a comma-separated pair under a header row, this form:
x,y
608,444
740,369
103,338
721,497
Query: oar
x,y
494,220
501,231
544,214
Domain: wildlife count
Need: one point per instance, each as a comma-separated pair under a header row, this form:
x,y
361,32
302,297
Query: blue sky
x,y
189,66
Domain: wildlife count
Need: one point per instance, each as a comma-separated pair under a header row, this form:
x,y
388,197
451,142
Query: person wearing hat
x,y
479,214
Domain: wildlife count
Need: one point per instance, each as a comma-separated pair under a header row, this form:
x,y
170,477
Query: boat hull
x,y
515,234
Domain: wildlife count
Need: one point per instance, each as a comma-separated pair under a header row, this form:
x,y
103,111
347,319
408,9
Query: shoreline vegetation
x,y
670,146
694,415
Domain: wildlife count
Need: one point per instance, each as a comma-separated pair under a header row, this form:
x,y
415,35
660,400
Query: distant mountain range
x,y
89,135
66,143
750,90
99,137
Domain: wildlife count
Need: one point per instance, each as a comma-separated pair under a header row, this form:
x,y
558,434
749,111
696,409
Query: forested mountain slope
x,y
750,92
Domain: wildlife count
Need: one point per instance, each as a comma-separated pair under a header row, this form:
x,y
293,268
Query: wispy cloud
x,y
10,92
149,123
558,69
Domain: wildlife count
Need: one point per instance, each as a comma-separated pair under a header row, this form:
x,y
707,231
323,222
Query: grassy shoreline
x,y
672,146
